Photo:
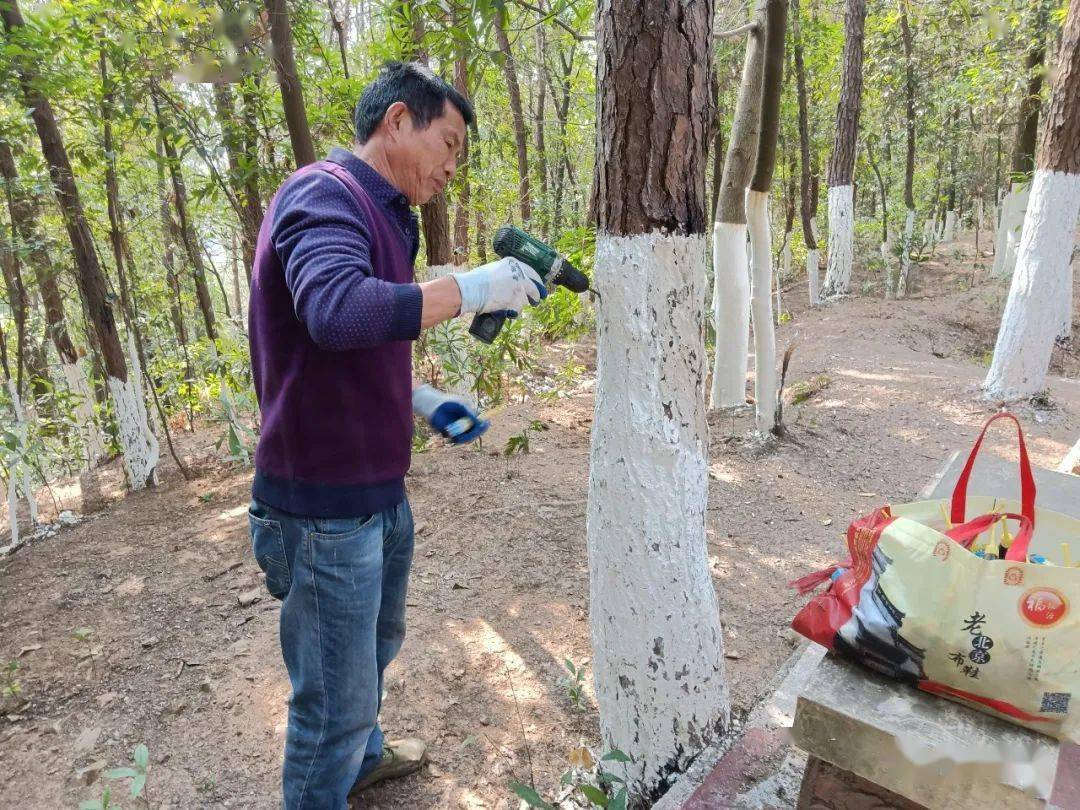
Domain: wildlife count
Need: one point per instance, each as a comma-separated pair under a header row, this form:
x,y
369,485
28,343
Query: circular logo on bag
x,y
941,551
1014,575
1043,607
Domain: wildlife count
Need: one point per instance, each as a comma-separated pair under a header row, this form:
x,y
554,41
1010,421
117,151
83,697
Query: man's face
x,y
424,160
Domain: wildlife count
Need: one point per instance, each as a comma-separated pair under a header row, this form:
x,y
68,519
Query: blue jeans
x,y
342,582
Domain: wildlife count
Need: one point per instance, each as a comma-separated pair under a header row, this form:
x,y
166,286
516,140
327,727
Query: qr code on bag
x,y
1055,702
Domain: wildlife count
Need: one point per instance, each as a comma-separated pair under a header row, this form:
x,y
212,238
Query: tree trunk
x,y
907,282
806,206
562,111
1015,204
136,439
659,678
187,235
243,174
538,134
757,218
292,92
1032,318
461,212
520,136
842,163
338,24
731,273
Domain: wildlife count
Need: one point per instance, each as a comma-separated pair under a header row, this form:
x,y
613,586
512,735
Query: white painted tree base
x,y
454,342
813,275
841,247
137,441
906,281
1032,318
18,469
1065,328
948,233
84,413
658,657
731,315
757,222
1071,462
1007,242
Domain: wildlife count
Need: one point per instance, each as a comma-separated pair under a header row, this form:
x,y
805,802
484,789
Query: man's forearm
x,y
442,301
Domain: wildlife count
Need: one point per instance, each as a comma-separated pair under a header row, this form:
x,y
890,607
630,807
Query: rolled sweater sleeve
x,y
321,236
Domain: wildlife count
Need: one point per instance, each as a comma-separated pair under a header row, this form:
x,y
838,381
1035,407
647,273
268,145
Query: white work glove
x,y
451,417
506,285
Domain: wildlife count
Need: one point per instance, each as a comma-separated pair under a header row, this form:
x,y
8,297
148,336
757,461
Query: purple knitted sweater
x,y
333,311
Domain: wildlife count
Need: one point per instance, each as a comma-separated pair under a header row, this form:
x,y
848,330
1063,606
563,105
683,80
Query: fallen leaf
x,y
29,648
581,758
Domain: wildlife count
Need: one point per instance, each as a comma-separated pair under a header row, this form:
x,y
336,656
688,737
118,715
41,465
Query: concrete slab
x,y
929,750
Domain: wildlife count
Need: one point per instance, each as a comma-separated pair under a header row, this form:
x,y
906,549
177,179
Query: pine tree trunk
x,y
138,443
521,138
538,134
757,219
1032,318
731,272
292,92
659,678
842,162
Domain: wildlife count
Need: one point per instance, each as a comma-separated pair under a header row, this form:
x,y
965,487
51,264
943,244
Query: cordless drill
x,y
550,265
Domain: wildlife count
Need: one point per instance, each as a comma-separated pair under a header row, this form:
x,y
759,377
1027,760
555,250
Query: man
x,y
333,312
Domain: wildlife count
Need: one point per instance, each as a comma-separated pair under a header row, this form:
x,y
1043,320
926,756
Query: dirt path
x,y
499,590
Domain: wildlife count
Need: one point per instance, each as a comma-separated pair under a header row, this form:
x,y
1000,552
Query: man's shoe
x,y
399,758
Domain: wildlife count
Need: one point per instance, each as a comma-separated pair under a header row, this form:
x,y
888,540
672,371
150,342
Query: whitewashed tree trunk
x,y
948,233
453,342
841,247
731,315
18,469
813,269
1071,462
757,220
1065,331
84,413
138,442
907,268
13,506
1032,318
661,685
1013,211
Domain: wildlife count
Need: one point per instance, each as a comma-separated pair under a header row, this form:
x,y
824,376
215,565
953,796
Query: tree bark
x,y
765,384
659,679
731,274
907,282
292,92
139,445
338,24
1034,311
461,212
842,162
243,174
806,186
521,138
538,131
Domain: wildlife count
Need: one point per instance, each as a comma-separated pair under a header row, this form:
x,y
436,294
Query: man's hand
x,y
506,285
451,417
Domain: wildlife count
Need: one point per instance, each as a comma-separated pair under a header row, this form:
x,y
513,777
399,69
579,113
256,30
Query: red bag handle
x,y
965,533
1018,550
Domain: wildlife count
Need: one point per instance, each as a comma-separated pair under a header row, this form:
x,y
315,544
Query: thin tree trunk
x,y
243,174
338,24
461,212
806,206
292,92
538,132
731,273
1032,319
757,218
520,136
138,442
842,162
908,280
659,679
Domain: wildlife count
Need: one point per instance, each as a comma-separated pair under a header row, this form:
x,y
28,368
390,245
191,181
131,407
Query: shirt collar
x,y
377,185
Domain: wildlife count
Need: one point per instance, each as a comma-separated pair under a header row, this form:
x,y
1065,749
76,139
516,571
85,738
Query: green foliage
x,y
574,684
519,444
586,784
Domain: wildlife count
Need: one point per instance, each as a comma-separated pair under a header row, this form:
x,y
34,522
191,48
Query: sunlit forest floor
x,y
177,658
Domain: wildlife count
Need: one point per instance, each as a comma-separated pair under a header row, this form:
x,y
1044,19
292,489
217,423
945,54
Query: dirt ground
x,y
498,596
